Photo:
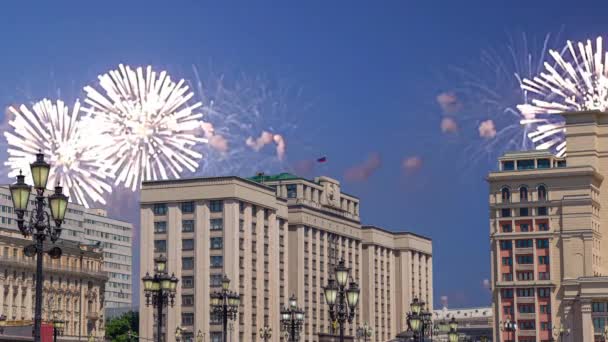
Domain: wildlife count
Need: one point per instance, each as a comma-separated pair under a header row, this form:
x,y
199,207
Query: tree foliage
x,y
118,328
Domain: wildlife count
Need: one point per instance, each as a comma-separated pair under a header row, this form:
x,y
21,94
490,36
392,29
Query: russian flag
x,y
322,159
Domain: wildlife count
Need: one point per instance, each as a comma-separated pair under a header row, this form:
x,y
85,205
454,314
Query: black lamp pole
x,y
225,304
292,319
39,225
342,299
160,291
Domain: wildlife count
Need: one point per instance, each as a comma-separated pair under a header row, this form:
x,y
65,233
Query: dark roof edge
x,y
194,179
396,233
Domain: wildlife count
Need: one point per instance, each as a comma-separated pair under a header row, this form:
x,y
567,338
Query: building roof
x,y
396,233
271,178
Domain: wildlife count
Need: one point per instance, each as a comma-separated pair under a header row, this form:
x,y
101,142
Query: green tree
x,y
119,329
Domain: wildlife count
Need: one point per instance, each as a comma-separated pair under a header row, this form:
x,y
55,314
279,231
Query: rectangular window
x,y
241,207
160,246
598,307
187,263
527,325
241,225
525,259
561,163
543,226
216,224
524,243
545,308
506,212
524,212
542,243
544,292
508,165
506,228
160,227
187,207
543,275
541,211
187,318
524,227
216,206
525,276
543,163
508,310
187,226
215,280
187,244
506,293
187,300
506,244
526,308
507,277
187,282
543,260
217,261
292,191
507,261
216,243
525,292
160,209
526,164
599,324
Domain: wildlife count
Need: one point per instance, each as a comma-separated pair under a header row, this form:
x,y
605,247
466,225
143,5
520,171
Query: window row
x,y
160,227
523,227
526,292
160,209
524,212
523,243
541,193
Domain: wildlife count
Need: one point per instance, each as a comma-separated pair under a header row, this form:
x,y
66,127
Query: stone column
x,y
586,322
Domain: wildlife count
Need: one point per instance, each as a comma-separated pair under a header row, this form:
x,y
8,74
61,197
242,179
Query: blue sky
x,y
369,70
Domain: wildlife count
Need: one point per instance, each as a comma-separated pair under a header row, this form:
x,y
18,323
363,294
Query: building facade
x,y
92,226
548,229
474,324
73,288
289,233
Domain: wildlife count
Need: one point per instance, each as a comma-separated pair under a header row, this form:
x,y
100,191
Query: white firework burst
x,y
152,127
576,81
69,144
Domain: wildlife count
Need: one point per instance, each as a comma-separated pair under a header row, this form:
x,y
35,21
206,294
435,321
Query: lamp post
x,y
605,333
364,332
225,304
39,225
342,300
453,333
200,336
160,290
292,319
419,320
58,325
561,332
265,333
508,326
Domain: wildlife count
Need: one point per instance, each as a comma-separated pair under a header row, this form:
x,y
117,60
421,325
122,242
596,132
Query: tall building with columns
x,y
548,231
289,233
73,287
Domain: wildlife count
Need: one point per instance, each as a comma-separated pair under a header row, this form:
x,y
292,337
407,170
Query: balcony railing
x,y
22,261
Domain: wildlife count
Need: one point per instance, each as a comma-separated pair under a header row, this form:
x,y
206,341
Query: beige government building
x,y
274,236
549,232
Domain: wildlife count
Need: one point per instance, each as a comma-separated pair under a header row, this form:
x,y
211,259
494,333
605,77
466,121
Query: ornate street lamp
x,y
453,334
419,320
364,332
508,326
225,305
265,333
160,291
200,336
39,225
342,299
561,332
58,325
292,319
178,334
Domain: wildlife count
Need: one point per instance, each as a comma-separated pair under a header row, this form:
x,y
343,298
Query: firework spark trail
x,y
153,128
244,107
578,80
491,90
73,149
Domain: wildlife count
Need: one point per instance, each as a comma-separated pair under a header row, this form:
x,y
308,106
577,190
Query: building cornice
x,y
570,171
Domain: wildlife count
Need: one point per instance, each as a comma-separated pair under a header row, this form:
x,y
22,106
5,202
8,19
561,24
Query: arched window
x,y
542,193
506,195
523,194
